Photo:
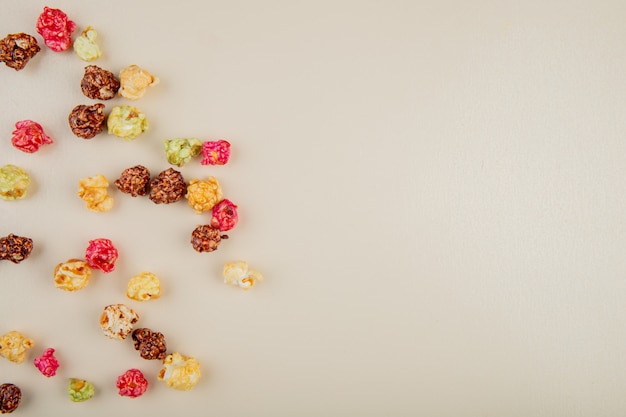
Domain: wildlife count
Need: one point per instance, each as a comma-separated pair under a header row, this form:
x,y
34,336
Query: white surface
x,y
433,190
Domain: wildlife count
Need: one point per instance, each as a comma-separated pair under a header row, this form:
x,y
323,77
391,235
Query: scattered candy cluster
x,y
127,122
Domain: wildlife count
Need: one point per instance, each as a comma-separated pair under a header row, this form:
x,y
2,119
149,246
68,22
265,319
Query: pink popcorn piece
x,y
101,254
215,152
47,363
28,136
56,29
224,215
132,383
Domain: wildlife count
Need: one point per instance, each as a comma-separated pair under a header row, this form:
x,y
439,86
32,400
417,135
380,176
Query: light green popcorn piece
x,y
127,122
80,390
85,45
14,182
179,151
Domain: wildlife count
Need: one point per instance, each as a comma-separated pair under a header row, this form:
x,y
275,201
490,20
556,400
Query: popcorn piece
x,y
10,397
28,136
224,216
127,122
117,321
47,363
132,383
93,191
87,121
56,29
98,83
237,273
206,239
101,254
85,45
180,151
215,152
180,372
167,187
72,275
15,248
80,390
16,49
202,195
144,287
135,81
151,345
134,181
13,346
14,182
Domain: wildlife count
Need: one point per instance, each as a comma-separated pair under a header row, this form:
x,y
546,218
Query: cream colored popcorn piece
x,y
134,82
117,321
180,372
72,275
237,273
93,191
13,346
85,45
143,287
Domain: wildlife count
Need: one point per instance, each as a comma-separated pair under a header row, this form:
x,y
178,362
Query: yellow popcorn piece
x,y
237,273
134,82
202,195
14,182
85,45
72,275
13,346
180,372
126,122
143,287
93,191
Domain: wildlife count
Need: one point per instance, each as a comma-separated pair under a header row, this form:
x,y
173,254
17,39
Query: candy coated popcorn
x,y
167,187
204,238
215,152
151,345
132,383
28,136
135,81
237,273
101,254
14,182
180,151
224,216
85,45
47,363
72,275
134,181
98,83
80,390
180,372
13,346
93,191
15,248
127,122
55,28
10,397
117,321
202,195
144,287
16,49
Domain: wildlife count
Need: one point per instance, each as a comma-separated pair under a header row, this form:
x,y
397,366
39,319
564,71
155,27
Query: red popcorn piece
x,y
101,254
132,383
225,216
47,363
215,152
28,136
56,29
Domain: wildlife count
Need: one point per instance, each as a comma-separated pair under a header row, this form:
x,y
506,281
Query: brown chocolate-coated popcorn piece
x,y
98,83
167,187
134,181
16,49
206,239
151,345
15,248
87,121
10,397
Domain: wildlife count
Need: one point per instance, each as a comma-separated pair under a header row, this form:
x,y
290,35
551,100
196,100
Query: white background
x,y
434,191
